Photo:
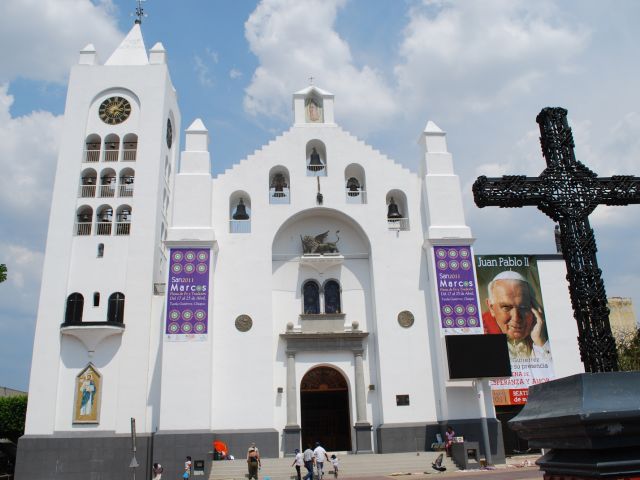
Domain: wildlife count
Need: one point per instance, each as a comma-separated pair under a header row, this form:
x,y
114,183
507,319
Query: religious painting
x,y
188,295
88,390
313,110
511,303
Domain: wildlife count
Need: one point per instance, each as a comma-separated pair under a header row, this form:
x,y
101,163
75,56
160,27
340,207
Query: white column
x,y
292,394
361,404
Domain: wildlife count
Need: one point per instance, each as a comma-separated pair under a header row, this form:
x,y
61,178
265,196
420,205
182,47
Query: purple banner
x,y
456,285
188,294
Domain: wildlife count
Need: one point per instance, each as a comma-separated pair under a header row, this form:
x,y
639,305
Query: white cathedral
x,y
291,299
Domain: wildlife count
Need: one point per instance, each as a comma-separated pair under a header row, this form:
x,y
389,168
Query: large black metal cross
x,y
567,191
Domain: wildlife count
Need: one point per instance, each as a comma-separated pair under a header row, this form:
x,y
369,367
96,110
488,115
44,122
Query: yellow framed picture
x,y
88,390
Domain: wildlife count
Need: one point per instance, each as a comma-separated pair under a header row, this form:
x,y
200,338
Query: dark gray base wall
x,y
418,437
76,456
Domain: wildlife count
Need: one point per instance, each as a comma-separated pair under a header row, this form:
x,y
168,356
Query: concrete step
x,y
350,466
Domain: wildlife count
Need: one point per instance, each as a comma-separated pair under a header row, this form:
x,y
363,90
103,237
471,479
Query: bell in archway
x,y
315,163
278,184
353,187
393,211
241,211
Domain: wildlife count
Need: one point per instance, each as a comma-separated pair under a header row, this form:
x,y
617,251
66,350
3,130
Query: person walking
x,y
187,467
335,463
320,455
298,462
309,459
253,461
157,471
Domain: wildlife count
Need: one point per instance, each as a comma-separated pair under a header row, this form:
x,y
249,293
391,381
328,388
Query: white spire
x,y
131,51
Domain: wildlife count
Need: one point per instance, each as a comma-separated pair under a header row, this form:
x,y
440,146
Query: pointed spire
x,y
157,54
197,137
433,139
131,51
88,55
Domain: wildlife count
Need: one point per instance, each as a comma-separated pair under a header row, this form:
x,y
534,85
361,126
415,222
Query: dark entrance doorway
x,y
324,406
513,444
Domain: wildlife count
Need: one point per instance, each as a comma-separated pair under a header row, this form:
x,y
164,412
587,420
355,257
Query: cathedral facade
x,y
291,299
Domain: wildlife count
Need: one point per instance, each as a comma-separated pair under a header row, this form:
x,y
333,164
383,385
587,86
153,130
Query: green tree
x,y
13,412
3,272
629,352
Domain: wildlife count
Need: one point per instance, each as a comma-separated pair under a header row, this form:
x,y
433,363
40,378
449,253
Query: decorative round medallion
x,y
169,133
244,323
405,318
114,110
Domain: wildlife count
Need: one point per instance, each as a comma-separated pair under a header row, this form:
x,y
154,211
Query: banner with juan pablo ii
x,y
188,294
457,296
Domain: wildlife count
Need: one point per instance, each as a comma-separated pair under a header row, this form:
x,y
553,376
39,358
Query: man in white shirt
x,y
320,455
309,460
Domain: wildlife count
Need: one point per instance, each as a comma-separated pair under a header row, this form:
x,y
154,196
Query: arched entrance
x,y
324,406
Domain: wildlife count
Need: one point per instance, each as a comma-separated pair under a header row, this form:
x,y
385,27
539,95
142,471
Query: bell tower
x,y
98,332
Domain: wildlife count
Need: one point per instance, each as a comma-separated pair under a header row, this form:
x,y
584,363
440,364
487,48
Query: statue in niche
x,y
318,244
313,110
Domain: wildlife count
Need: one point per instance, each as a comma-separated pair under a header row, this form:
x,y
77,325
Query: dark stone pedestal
x,y
363,438
290,439
591,423
466,455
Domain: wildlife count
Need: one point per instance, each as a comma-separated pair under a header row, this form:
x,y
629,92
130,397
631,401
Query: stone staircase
x,y
363,465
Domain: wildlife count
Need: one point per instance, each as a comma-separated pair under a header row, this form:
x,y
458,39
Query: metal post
x,y
483,422
134,463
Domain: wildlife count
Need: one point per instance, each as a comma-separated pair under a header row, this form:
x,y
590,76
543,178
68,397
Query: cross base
x,y
591,423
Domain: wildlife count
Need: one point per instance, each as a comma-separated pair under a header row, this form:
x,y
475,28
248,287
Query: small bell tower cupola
x,y
312,106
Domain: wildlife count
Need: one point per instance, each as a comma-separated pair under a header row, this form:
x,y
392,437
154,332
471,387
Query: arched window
x,y
129,147
240,212
83,220
111,147
75,304
311,295
104,217
279,192
108,183
397,214
332,297
316,155
92,148
88,180
123,220
127,178
355,183
100,250
96,299
115,310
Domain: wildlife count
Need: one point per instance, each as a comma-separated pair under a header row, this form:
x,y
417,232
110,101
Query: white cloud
x,y
294,40
41,38
234,74
202,72
28,147
462,57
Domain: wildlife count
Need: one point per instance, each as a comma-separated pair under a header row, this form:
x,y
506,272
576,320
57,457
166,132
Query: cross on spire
x,y
567,191
139,12
311,80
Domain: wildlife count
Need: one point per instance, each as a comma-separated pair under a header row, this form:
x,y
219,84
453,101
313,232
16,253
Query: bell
x,y
241,212
124,216
315,163
105,216
84,218
393,212
353,186
278,185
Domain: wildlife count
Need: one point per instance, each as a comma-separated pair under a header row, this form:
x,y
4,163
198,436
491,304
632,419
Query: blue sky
x,y
481,70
